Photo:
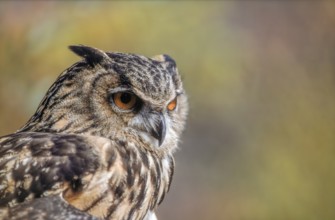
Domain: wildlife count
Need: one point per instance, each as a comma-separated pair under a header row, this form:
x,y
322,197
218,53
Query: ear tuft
x,y
166,59
92,55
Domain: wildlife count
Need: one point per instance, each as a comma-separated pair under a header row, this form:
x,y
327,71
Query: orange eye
x,y
172,105
125,100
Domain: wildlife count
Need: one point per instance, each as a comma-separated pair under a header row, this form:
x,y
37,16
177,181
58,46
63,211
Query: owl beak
x,y
159,131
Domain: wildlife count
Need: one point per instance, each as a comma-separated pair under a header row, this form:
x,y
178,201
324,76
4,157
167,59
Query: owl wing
x,y
35,165
46,208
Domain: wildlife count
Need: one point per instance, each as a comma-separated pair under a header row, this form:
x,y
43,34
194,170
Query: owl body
x,y
100,144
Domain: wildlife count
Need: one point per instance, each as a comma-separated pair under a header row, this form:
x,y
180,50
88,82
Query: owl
x,y
101,143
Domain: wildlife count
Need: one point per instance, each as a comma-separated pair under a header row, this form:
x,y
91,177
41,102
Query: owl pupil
x,y
125,98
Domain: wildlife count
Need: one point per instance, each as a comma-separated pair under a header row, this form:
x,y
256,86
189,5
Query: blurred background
x,y
260,75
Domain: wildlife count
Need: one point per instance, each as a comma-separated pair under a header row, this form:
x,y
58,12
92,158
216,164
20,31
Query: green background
x,y
260,75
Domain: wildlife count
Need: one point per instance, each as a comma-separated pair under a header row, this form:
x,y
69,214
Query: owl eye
x,y
125,100
172,105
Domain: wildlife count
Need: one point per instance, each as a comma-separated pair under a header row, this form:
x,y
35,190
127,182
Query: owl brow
x,y
124,80
121,88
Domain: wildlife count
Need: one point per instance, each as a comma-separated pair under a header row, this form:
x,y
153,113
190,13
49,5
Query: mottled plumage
x,y
100,144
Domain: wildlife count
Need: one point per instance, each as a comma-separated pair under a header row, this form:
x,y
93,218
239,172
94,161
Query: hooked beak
x,y
159,130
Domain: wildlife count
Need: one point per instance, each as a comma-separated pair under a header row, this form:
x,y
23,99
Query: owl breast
x,y
134,181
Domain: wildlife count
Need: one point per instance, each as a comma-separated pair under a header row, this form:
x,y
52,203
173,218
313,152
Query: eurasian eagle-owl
x,y
100,144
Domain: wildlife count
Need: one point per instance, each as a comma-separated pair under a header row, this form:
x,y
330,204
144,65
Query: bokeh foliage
x,y
260,76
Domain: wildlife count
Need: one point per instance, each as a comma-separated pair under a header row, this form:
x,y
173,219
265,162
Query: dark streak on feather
x,y
96,201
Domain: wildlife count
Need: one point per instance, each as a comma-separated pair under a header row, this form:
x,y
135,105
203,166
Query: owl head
x,y
116,96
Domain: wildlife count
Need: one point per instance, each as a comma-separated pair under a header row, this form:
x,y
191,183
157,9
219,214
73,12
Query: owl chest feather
x,y
130,183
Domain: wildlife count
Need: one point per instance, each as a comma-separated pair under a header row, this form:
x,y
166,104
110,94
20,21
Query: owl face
x,y
142,96
117,95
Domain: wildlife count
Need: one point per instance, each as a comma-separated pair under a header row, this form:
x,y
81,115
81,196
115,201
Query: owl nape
x,y
100,144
